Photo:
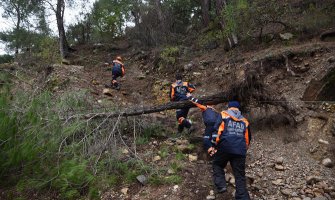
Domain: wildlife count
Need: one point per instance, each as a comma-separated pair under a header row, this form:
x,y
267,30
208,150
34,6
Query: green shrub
x,y
163,152
169,56
173,179
6,58
180,155
73,178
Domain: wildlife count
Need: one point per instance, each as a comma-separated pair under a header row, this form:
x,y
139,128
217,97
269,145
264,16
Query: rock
x,y
286,36
196,73
280,160
210,197
124,191
182,142
141,77
277,182
279,167
65,61
183,148
328,163
307,198
323,141
320,198
310,180
107,91
125,151
286,192
192,158
171,171
228,177
188,67
157,158
211,192
175,187
142,179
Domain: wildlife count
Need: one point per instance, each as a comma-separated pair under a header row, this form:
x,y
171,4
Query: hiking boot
x,y
222,190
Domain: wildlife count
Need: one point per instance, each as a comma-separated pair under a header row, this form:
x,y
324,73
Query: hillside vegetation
x,y
63,135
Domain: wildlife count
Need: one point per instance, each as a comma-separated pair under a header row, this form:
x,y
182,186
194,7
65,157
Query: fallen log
x,y
243,92
209,100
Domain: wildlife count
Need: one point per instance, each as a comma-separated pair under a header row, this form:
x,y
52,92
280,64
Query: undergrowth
x,y
44,147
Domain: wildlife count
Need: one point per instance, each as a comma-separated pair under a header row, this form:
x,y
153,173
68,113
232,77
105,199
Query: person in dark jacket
x,y
232,138
117,71
178,91
209,116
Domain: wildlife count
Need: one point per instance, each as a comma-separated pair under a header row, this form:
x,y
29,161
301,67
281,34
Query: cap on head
x,y
234,104
118,58
179,77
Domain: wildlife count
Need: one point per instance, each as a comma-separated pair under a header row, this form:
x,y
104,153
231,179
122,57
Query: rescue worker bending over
x,y
209,116
232,142
178,91
117,71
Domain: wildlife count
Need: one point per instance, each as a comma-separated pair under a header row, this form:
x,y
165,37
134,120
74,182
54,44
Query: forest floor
x,y
284,161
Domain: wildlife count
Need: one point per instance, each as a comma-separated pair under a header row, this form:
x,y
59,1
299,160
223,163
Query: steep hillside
x,y
293,125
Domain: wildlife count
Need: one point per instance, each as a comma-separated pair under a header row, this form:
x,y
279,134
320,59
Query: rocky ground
x,y
292,152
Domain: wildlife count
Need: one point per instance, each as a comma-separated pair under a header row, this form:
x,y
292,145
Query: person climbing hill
x,y
117,71
232,137
178,91
209,116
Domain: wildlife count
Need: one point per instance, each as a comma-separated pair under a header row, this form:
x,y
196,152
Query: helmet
x,y
118,58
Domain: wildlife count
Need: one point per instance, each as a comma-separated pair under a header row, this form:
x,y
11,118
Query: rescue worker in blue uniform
x,y
209,116
117,71
232,138
178,91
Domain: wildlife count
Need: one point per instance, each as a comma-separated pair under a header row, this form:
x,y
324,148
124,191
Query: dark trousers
x,y
182,113
237,162
115,74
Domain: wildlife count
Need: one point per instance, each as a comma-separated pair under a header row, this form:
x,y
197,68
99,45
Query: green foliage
x,y
45,50
148,132
173,179
163,152
73,177
180,155
169,56
6,58
175,166
108,19
315,18
30,134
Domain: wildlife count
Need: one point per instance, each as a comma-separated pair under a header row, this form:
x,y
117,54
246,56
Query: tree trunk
x,y
205,7
18,24
63,45
161,18
232,38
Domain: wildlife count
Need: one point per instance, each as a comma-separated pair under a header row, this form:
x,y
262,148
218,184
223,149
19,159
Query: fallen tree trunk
x,y
243,92
212,100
